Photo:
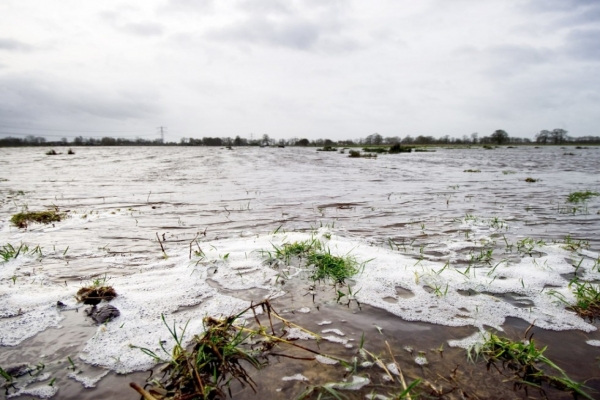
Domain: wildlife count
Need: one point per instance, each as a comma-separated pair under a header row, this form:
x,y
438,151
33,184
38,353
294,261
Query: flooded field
x,y
448,246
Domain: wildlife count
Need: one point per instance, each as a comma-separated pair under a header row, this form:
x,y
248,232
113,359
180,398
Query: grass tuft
x,y
23,219
580,197
221,355
328,266
587,299
8,251
523,358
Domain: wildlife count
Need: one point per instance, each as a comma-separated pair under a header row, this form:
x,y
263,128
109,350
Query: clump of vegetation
x,y
23,219
297,249
580,197
472,170
379,150
523,359
575,244
325,265
487,147
328,266
395,149
587,299
70,152
219,356
424,151
531,180
568,154
8,251
51,152
508,172
96,292
356,154
327,148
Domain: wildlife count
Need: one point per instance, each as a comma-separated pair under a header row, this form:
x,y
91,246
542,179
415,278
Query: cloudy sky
x,y
338,69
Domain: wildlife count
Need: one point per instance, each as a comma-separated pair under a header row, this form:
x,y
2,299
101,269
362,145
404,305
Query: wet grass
x,y
221,355
325,266
526,363
230,349
587,299
96,292
9,252
580,197
23,219
531,180
328,266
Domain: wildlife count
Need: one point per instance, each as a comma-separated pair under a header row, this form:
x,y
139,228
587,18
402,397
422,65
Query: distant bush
x,y
327,148
395,149
379,150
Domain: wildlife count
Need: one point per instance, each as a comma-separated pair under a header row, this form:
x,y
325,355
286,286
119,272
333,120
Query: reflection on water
x,y
422,206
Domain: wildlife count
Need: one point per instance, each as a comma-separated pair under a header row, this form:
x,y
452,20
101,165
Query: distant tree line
x,y
498,137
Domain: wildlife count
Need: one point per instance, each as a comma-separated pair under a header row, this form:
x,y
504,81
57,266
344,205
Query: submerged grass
x,y
9,252
23,219
587,299
220,356
324,264
328,266
580,197
527,363
232,347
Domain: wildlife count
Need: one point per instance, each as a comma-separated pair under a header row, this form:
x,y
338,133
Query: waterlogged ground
x,y
445,254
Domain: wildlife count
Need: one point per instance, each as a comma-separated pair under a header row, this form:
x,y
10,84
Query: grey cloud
x,y
584,44
25,96
266,6
143,28
506,60
590,15
14,45
298,34
559,5
189,5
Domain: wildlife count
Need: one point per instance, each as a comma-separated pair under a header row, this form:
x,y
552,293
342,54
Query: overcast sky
x,y
332,69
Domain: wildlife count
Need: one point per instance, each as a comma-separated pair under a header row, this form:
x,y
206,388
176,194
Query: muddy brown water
x,y
127,195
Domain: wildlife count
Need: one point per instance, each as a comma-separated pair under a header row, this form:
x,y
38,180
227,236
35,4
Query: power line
x,y
67,130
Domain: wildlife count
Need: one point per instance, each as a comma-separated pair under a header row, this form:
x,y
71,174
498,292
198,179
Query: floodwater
x,y
447,254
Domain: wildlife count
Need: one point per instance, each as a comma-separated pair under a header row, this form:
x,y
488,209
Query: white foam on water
x,y
358,382
178,289
336,331
326,360
421,360
296,333
42,392
297,377
335,339
393,368
324,323
593,343
87,381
